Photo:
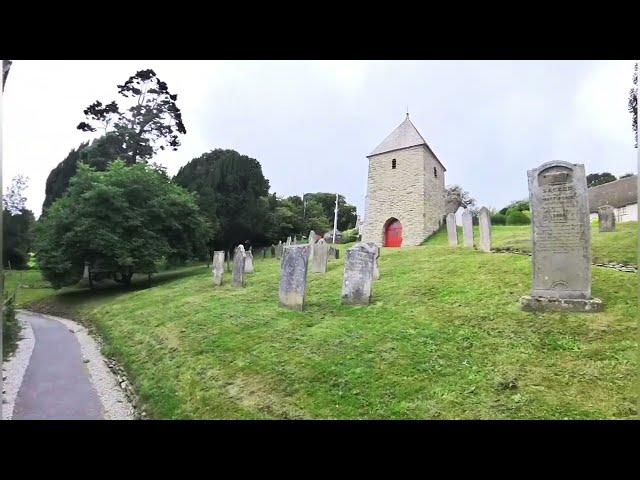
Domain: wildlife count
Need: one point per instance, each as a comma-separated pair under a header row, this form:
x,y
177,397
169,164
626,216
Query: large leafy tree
x,y
594,179
456,197
231,190
347,216
98,154
121,221
148,121
17,223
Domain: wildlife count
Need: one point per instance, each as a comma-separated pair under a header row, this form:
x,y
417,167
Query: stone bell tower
x,y
405,200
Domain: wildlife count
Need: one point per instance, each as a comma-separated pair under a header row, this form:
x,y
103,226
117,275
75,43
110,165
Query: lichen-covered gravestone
x,y
358,275
452,231
467,228
607,218
293,277
218,267
484,222
561,240
239,257
333,253
373,248
312,241
319,256
248,262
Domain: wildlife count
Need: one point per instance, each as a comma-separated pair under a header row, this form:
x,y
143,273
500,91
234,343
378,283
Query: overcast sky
x,y
311,123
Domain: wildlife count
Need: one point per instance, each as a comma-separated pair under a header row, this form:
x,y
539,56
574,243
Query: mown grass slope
x,y
620,246
444,338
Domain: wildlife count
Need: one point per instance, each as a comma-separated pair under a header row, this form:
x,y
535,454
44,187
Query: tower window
x,y
435,172
393,163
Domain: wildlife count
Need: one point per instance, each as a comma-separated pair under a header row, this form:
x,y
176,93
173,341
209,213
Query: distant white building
x,y
621,194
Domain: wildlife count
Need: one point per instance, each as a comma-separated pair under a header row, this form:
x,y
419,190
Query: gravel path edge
x,y
14,368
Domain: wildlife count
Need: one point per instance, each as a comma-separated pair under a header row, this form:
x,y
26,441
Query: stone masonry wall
x,y
410,193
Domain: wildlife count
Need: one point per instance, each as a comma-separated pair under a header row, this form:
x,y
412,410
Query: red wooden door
x,y
393,235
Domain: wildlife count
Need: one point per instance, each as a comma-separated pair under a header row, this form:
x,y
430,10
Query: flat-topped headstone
x,y
484,222
452,231
358,275
248,262
293,277
607,218
561,240
239,257
311,241
218,267
467,228
319,256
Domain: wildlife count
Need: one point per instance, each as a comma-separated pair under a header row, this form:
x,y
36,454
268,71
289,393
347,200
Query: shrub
x,y
10,326
498,219
349,236
516,217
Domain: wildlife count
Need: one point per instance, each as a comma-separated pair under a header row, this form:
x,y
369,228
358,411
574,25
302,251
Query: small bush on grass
x,y
516,217
10,326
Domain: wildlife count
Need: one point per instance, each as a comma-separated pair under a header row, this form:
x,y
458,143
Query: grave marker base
x,y
545,304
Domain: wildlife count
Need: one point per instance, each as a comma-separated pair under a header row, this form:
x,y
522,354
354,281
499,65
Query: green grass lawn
x,y
620,246
444,338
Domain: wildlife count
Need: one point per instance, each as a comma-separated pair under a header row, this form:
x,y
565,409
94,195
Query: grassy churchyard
x,y
444,338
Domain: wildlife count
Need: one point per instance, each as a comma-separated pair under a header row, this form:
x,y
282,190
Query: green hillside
x,y
444,338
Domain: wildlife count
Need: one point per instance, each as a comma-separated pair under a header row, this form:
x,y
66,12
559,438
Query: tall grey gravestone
x,y
311,241
319,256
288,241
467,228
606,219
248,262
561,240
279,249
373,248
333,253
452,231
358,275
484,222
218,267
293,277
239,257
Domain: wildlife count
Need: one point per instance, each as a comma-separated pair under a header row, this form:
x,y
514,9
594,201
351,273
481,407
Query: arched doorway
x,y
393,233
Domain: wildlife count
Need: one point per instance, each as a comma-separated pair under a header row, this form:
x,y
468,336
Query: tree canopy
x,y
17,223
121,221
151,122
231,189
633,105
594,179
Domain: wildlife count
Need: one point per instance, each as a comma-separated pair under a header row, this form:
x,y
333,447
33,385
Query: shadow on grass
x,y
67,301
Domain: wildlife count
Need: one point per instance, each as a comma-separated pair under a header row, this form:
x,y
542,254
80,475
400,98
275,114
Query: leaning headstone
x,y
293,277
484,222
561,240
218,266
248,262
320,256
452,231
467,228
358,276
607,218
239,257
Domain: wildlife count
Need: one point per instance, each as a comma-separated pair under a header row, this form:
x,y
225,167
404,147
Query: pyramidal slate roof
x,y
619,193
404,136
